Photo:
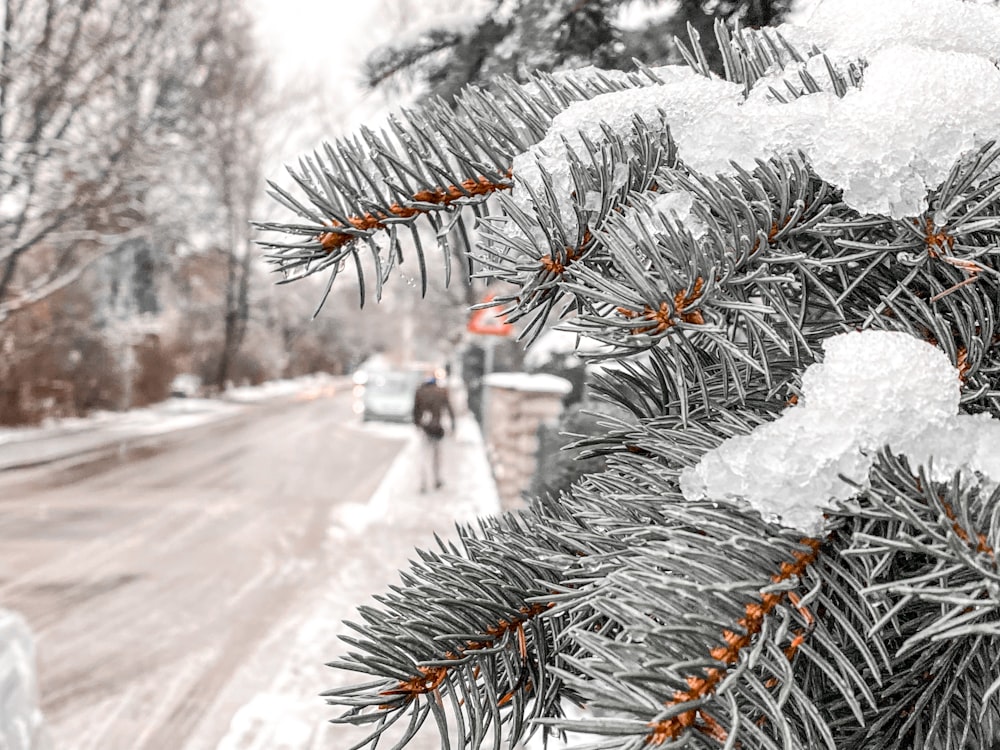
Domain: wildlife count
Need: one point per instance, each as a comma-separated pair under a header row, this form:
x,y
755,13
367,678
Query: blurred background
x,y
198,479
135,138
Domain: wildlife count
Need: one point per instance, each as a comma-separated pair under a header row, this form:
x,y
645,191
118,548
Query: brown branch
x,y
429,679
728,654
668,314
570,254
774,230
798,637
981,544
962,362
439,196
936,241
939,247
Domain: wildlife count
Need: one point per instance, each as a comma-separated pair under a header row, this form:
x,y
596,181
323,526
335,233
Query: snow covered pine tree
x,y
793,272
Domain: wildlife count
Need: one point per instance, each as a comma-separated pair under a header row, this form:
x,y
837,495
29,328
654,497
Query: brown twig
x,y
939,247
430,679
751,623
937,241
442,196
570,254
670,314
981,544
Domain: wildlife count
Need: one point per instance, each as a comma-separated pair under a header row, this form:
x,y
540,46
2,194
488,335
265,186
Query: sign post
x,y
489,322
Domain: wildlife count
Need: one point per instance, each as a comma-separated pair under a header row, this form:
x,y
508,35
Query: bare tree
x,y
231,112
124,124
92,94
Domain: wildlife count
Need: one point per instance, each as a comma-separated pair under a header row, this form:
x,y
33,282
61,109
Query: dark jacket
x,y
429,406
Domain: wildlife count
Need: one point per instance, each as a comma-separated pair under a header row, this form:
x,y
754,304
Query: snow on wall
x,y
528,382
931,92
874,388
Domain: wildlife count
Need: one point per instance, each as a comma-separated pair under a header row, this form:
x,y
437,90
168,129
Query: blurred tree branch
x,y
97,97
517,37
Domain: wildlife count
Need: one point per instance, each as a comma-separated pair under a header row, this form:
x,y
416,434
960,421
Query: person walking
x,y
430,404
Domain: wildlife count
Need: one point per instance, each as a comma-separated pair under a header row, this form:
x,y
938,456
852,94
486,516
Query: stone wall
x,y
516,404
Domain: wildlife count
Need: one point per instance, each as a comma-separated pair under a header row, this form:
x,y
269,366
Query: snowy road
x,y
167,583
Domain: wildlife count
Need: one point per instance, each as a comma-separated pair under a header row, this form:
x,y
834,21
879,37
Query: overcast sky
x,y
318,47
307,36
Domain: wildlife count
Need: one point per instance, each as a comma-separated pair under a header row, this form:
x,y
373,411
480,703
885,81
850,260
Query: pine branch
x,y
699,656
438,197
700,688
437,163
937,277
486,648
440,161
391,60
693,624
924,555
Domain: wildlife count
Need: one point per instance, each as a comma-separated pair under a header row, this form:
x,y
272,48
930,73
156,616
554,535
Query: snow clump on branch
x,y
873,389
930,88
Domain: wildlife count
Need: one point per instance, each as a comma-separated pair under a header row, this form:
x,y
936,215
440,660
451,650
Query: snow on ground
x,y
22,447
308,386
288,714
533,382
58,439
174,413
21,721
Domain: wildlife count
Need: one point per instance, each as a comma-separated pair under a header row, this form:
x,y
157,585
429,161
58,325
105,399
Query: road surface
x,y
165,582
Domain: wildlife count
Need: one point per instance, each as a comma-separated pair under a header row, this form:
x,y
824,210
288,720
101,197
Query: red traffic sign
x,y
489,321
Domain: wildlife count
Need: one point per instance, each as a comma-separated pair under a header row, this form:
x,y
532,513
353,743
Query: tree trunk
x,y
237,312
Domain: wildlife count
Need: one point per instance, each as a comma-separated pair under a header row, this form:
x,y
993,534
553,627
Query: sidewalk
x,y
468,492
288,713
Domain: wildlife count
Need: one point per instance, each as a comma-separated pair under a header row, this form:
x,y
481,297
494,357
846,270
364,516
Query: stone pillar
x,y
518,403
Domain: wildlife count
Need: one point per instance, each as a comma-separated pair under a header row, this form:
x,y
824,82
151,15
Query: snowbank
x,y
317,384
20,717
172,414
523,381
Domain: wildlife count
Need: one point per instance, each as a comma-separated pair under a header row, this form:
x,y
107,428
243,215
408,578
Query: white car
x,y
387,395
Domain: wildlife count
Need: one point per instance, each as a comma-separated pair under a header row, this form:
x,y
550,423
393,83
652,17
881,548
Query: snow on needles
x,y
931,92
955,26
873,389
